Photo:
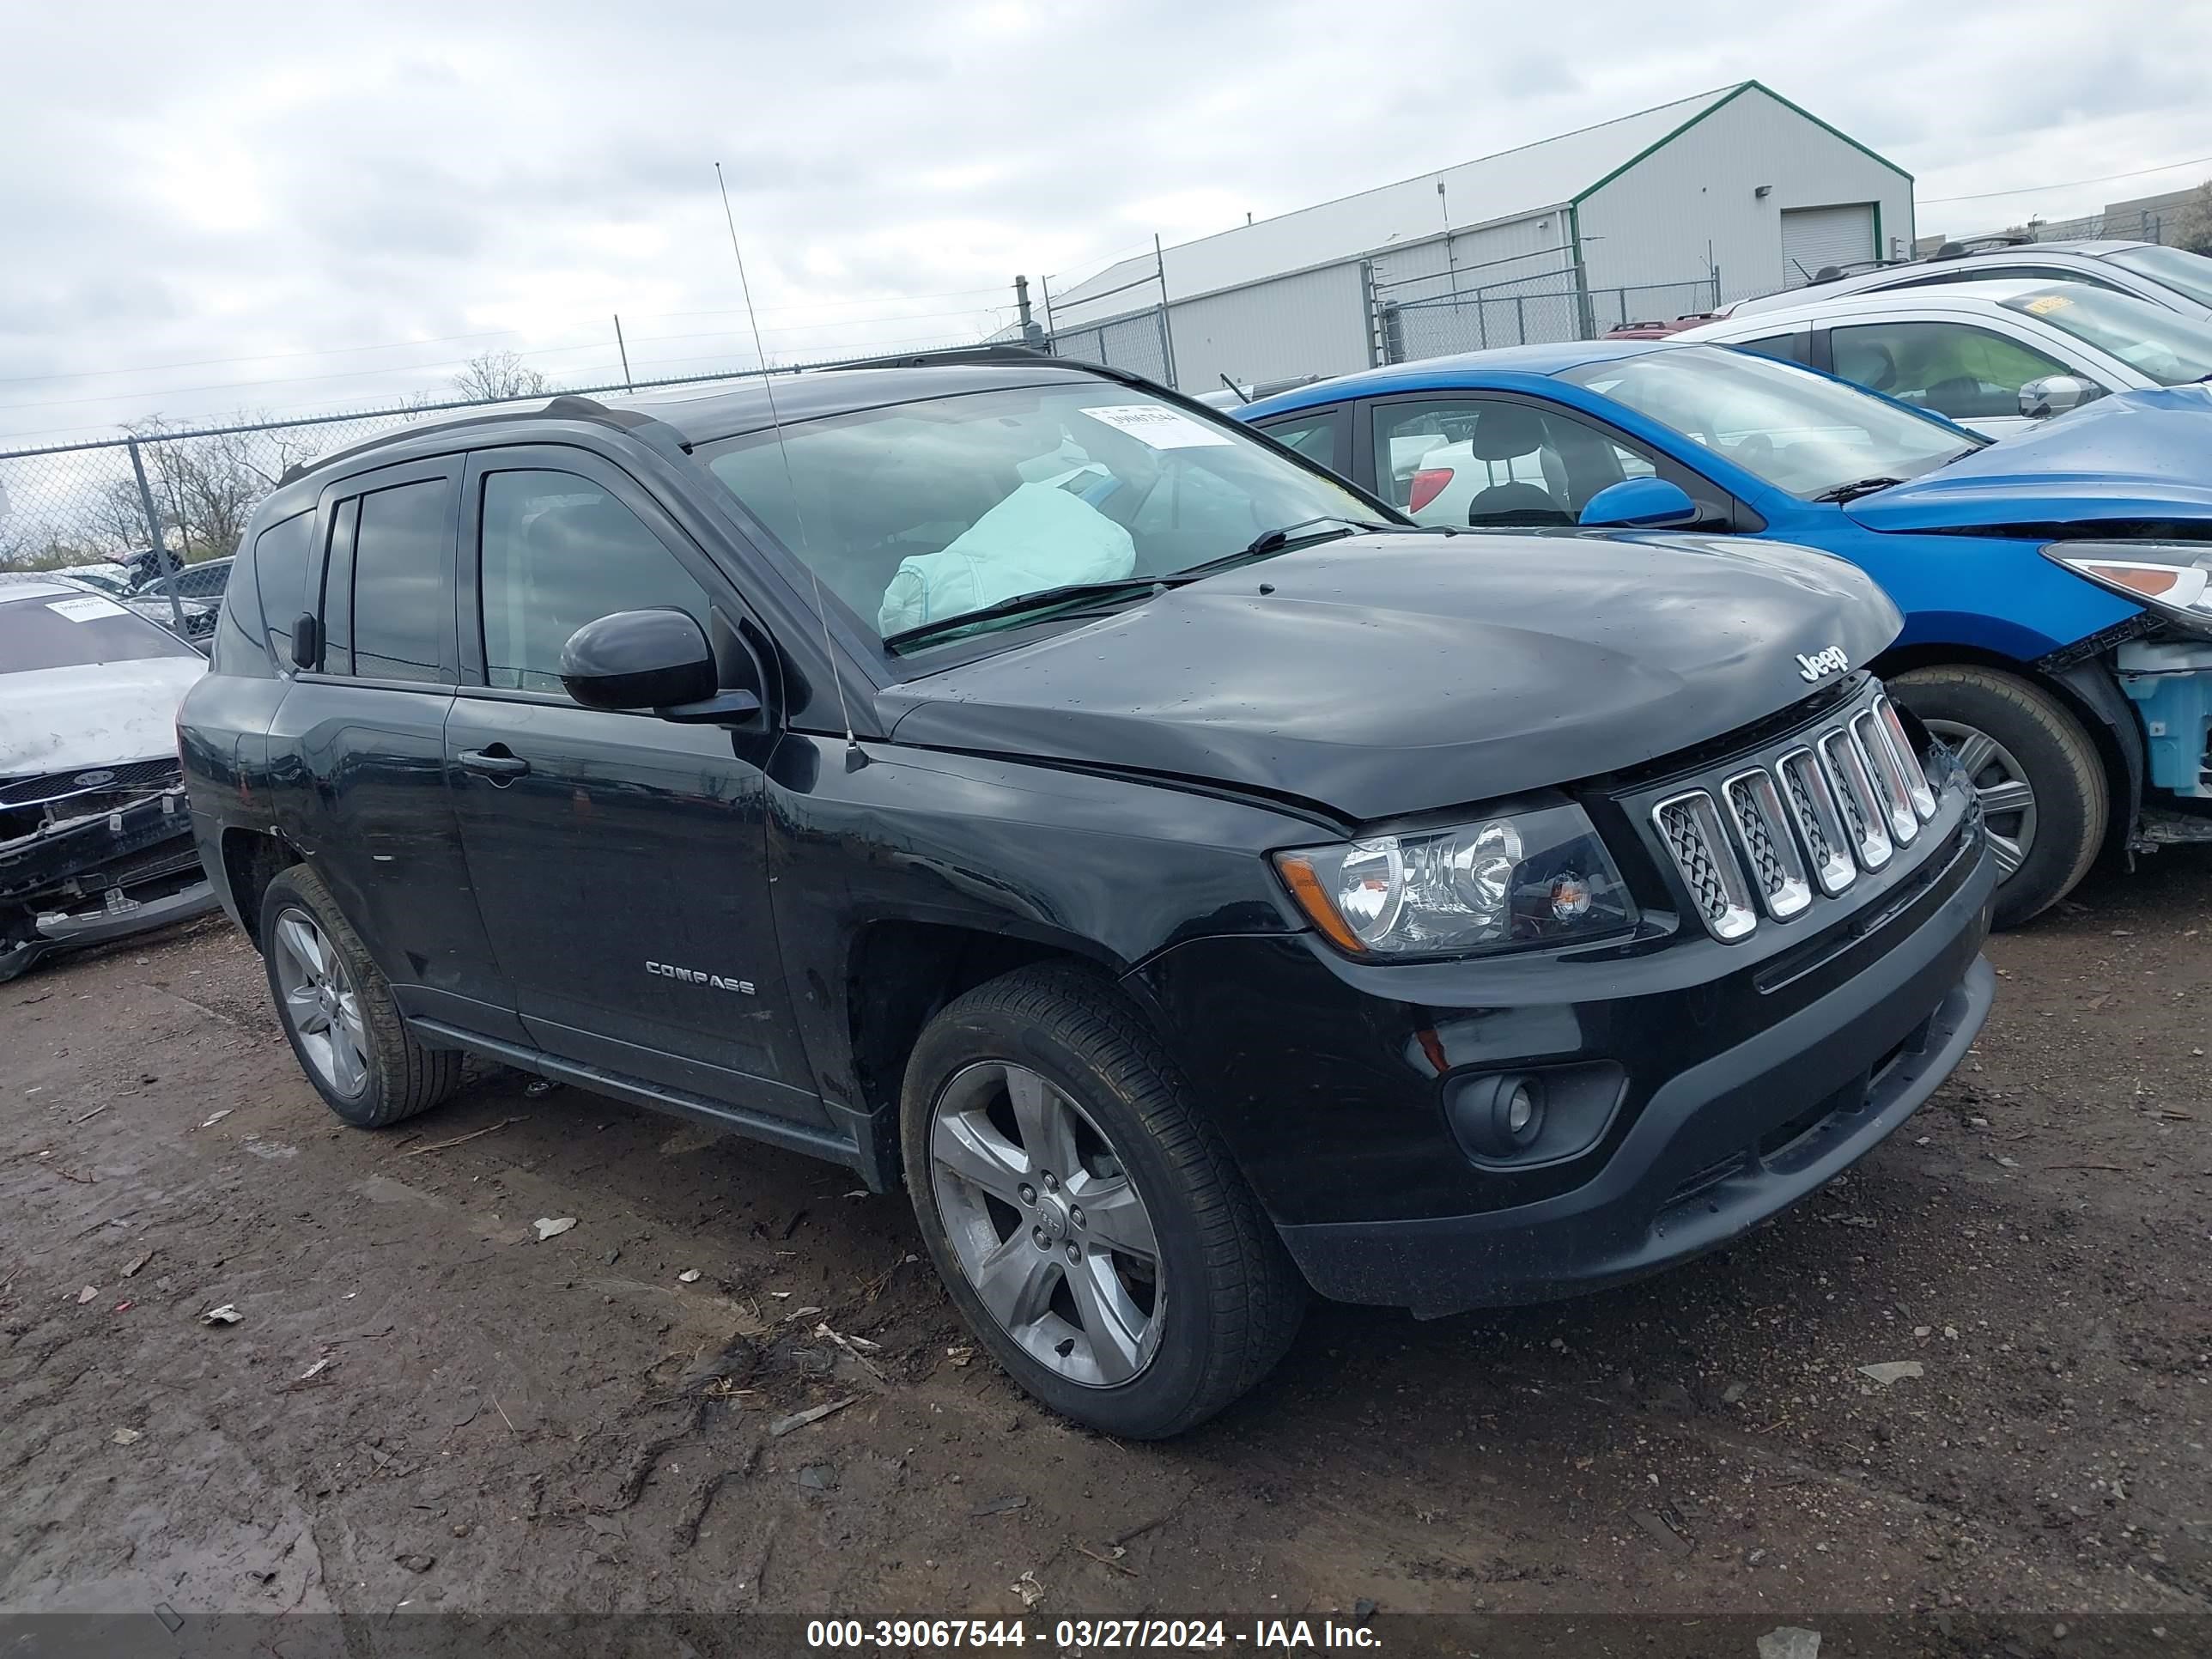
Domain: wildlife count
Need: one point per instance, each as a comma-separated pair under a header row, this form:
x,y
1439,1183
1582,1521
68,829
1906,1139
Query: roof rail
x,y
1960,250
955,355
563,406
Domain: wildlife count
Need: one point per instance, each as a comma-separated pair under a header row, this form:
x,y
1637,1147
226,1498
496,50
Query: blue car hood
x,y
2135,455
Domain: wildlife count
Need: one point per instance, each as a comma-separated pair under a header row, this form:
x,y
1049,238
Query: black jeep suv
x,y
1192,882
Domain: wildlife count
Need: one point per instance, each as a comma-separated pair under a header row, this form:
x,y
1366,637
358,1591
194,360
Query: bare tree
x,y
494,374
2192,226
205,488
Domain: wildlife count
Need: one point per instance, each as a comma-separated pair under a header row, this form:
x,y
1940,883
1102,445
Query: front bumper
x,y
1752,1074
99,877
1720,1151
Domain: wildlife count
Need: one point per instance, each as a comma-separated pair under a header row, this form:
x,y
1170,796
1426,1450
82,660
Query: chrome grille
x,y
1819,827
1794,823
1922,793
1691,826
1754,808
1887,774
1863,818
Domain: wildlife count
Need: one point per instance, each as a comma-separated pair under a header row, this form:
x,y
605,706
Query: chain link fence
x,y
189,490
1136,341
2160,225
1408,324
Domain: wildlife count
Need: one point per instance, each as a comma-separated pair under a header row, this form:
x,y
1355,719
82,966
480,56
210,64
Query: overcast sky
x,y
302,207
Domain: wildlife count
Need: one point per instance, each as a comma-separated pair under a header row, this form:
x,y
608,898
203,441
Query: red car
x,y
1658,331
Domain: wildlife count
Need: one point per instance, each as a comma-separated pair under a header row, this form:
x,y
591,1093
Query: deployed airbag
x,y
1043,535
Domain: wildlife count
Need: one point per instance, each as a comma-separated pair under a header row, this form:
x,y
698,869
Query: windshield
x,y
1800,431
2175,268
925,511
2159,344
108,579
67,631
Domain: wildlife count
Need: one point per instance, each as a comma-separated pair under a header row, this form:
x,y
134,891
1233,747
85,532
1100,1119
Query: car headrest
x,y
1506,430
1512,504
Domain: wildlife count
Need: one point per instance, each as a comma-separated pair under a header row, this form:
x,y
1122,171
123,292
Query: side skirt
x,y
777,1131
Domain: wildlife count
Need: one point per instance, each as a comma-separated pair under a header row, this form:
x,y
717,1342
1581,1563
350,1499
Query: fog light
x,y
1497,1116
1520,1112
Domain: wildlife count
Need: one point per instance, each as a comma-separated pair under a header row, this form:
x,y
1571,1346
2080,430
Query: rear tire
x,y
1044,1090
337,1011
2009,733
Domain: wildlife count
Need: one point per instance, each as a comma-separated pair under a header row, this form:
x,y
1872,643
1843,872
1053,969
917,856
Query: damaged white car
x,y
95,839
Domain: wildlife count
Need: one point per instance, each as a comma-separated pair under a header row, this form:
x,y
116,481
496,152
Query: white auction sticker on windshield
x,y
90,608
1155,424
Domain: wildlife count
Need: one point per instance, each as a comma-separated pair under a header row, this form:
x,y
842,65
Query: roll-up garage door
x,y
1813,237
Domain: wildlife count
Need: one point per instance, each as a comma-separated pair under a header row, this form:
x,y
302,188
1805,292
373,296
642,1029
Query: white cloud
x,y
207,208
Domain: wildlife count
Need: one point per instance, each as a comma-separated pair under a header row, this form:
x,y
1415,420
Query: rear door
x,y
363,730
620,860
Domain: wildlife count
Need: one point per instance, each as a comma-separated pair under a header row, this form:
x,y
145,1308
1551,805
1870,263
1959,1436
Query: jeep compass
x,y
1190,881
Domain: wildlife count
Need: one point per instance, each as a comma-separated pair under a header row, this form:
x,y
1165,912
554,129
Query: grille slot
x,y
132,776
1922,793
1690,824
1754,807
1887,775
1819,823
1854,793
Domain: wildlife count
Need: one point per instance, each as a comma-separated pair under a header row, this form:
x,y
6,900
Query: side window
x,y
1485,463
1313,433
338,591
559,551
1954,369
280,578
403,591
204,582
1789,348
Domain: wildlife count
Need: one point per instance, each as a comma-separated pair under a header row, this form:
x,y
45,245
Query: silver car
x,y
2167,276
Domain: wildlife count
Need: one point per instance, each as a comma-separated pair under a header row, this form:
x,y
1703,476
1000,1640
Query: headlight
x,y
2170,577
1540,877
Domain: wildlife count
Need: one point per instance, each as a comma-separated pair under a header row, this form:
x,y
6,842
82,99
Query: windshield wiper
x,y
1043,598
1266,542
1856,487
1270,541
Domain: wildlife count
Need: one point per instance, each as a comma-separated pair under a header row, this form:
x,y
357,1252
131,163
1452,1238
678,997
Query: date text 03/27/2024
x,y
1085,1635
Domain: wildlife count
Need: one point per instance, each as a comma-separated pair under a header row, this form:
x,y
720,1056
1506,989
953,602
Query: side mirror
x,y
2055,394
657,659
1639,504
307,640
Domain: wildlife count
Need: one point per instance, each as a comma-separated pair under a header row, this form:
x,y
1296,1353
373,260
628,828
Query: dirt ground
x,y
422,1405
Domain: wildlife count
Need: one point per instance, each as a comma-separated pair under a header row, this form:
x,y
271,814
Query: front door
x,y
620,861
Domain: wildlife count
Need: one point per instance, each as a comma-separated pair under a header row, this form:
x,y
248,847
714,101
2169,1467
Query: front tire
x,y
339,1013
2035,769
1086,1222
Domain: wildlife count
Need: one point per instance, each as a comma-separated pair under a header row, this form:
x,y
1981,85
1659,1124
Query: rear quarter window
x,y
280,581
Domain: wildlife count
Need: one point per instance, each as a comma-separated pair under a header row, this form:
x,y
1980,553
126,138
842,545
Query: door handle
x,y
495,763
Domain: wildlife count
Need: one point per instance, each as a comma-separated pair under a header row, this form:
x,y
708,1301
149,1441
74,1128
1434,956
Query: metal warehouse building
x,y
1673,209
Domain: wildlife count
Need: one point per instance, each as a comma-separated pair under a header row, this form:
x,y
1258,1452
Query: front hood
x,y
54,719
2135,455
1391,674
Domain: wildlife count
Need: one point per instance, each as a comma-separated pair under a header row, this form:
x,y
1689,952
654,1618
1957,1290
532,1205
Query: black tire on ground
x,y
2072,802
1229,1298
402,1078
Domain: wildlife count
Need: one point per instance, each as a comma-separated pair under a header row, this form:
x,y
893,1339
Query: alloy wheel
x,y
1049,1229
320,1003
2000,784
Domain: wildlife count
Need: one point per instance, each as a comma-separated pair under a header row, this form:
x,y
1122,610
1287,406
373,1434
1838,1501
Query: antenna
x,y
856,756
